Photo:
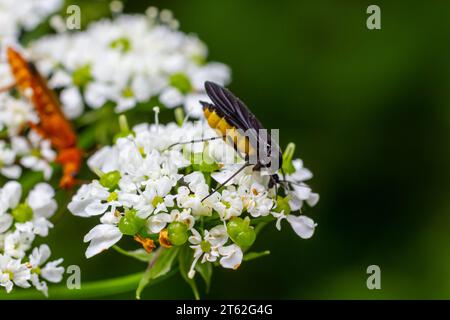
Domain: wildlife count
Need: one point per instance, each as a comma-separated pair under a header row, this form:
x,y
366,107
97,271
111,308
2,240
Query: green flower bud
x,y
179,116
234,227
288,154
178,233
110,180
246,238
241,232
22,213
130,224
124,128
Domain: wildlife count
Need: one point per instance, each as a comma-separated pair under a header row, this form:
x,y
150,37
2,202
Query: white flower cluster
x,y
20,223
130,59
22,220
150,190
16,150
23,14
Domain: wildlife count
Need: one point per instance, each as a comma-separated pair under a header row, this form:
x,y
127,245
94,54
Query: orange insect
x,y
53,125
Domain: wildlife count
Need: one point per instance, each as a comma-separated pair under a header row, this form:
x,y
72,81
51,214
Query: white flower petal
x,y
302,225
96,208
10,195
101,237
232,256
72,102
6,221
52,271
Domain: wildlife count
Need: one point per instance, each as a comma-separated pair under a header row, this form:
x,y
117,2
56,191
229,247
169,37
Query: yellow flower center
x,y
157,200
112,197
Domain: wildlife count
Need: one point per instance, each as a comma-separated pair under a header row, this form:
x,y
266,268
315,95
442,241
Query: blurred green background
x,y
369,112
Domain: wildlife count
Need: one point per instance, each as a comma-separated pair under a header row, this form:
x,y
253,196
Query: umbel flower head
x,y
160,193
24,214
16,16
22,219
130,60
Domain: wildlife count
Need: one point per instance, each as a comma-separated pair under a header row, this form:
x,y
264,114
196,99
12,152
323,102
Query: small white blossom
x,y
231,256
40,268
256,199
42,203
159,221
8,168
17,243
130,59
302,225
13,272
300,191
230,204
15,113
36,153
207,247
26,14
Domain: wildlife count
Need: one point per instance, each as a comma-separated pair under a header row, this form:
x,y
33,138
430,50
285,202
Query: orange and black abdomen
x,y
229,133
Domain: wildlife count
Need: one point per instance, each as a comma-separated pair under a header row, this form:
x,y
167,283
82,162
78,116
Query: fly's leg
x,y
226,181
194,141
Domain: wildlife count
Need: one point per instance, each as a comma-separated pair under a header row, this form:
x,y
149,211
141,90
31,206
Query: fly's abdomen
x,y
229,133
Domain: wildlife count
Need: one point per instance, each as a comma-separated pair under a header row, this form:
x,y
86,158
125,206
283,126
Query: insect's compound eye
x,y
74,174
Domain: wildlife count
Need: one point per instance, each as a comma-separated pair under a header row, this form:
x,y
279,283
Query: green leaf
x,y
159,265
139,254
205,270
164,262
185,259
255,255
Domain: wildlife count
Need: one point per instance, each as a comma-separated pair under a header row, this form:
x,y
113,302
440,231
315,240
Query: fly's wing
x,y
233,109
239,115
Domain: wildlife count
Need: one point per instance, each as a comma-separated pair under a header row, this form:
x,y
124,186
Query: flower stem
x,y
89,290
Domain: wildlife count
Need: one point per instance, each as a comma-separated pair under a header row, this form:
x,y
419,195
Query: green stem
x,y
89,290
260,226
